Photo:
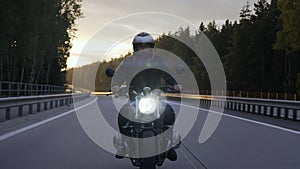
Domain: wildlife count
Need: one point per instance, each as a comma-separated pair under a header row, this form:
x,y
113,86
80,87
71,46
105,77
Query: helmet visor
x,y
141,46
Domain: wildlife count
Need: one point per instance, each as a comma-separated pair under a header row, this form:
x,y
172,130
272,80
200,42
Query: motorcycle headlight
x,y
147,105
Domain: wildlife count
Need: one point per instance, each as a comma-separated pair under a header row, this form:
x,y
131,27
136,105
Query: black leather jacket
x,y
140,71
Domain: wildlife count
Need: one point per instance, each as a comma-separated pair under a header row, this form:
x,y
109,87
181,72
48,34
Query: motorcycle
x,y
149,140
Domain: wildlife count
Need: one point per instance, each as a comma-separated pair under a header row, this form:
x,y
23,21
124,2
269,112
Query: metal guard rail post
x,y
285,109
47,101
8,89
274,108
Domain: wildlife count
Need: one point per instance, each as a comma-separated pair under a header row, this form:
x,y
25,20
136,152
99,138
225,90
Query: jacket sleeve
x,y
166,75
120,75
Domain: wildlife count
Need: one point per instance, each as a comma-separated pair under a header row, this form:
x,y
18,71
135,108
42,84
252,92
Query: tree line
x,y
92,77
36,39
259,52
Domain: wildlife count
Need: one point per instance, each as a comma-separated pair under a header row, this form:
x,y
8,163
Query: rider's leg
x,y
169,119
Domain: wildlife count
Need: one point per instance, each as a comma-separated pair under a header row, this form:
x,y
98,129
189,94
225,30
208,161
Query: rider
x,y
143,46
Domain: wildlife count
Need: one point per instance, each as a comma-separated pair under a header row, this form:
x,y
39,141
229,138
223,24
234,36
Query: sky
x,y
108,26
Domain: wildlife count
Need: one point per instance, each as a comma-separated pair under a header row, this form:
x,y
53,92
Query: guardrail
x,y
251,94
8,89
285,109
13,107
273,108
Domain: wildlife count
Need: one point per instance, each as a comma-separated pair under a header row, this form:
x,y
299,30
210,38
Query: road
x,y
238,142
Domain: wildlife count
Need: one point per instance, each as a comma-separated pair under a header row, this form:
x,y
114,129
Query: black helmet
x,y
143,40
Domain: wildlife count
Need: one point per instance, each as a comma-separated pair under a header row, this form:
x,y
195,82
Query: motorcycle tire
x,y
149,162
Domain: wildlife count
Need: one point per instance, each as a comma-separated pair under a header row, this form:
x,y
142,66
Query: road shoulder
x,y
21,122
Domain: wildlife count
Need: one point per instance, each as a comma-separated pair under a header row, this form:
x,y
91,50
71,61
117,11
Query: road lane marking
x,y
11,134
183,146
189,160
244,119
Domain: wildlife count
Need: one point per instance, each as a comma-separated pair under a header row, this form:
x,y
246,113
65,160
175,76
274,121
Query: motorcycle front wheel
x,y
149,162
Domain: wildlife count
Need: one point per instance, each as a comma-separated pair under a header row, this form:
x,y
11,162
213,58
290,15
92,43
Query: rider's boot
x,y
119,154
172,155
118,143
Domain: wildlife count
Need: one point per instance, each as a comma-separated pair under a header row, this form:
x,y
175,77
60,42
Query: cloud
x,y
193,10
100,13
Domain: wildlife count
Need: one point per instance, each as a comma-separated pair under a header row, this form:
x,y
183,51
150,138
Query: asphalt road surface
x,y
239,142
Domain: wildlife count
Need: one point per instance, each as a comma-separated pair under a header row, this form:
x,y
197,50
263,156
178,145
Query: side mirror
x,y
109,72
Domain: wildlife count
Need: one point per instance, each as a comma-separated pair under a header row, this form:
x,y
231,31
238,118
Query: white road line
x,y
244,119
11,134
189,160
